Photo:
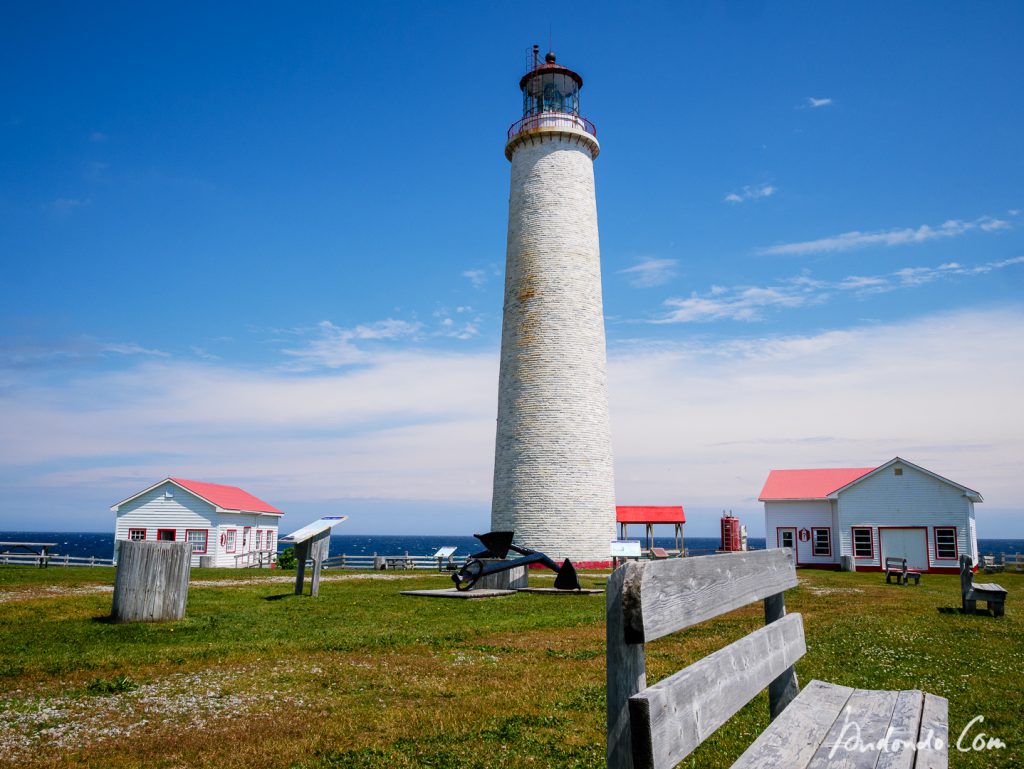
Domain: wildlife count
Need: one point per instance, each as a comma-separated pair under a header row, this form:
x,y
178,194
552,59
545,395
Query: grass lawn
x,y
363,677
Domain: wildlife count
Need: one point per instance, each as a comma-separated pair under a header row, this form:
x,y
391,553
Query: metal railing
x,y
255,559
393,562
552,120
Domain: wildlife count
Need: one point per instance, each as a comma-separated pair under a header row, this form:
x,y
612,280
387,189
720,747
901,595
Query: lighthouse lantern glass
x,y
551,92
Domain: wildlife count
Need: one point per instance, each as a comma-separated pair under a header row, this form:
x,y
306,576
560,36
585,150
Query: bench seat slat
x,y
871,712
903,731
672,717
795,736
934,734
661,597
988,587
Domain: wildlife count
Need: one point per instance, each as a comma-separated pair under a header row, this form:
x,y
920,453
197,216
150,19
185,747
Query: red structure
x,y
648,515
731,533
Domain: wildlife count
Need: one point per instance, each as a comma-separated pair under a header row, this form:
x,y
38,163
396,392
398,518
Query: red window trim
x,y
234,543
778,535
814,541
259,539
206,542
853,542
173,531
130,531
956,545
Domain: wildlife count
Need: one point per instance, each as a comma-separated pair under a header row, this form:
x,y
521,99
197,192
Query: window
x,y
259,539
787,537
198,539
863,542
822,541
945,543
166,535
136,534
270,539
229,540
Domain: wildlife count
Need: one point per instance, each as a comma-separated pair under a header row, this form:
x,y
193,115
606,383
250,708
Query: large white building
x,y
223,522
896,510
553,478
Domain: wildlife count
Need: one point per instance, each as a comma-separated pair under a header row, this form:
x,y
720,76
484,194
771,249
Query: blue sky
x,y
263,245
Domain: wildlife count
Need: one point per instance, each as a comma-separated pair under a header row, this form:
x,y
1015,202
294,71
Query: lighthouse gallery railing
x,y
552,120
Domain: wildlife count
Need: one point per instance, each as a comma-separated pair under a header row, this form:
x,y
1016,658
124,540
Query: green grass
x,y
362,677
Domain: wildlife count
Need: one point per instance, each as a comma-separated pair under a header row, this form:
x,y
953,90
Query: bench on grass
x,y
656,727
897,567
971,592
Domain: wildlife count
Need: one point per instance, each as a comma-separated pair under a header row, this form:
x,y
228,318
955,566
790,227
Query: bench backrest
x,y
660,725
895,563
966,574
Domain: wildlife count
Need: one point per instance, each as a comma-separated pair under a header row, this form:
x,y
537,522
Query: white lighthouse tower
x,y
553,479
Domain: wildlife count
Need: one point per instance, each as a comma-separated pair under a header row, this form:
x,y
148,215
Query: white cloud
x,y
897,237
749,303
64,205
651,272
815,103
477,277
335,347
749,192
696,424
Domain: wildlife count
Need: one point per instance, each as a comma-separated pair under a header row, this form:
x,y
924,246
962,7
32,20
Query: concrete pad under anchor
x,y
451,592
555,590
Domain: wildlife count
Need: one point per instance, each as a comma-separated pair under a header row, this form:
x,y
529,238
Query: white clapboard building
x,y
872,513
226,523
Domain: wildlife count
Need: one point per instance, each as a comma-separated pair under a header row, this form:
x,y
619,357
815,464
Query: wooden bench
x,y
659,553
897,567
656,727
971,592
1016,560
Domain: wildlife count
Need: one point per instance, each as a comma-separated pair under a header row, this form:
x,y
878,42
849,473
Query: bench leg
x,y
997,608
970,606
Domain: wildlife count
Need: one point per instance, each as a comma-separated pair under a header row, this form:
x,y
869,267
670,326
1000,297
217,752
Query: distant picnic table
x,y
20,549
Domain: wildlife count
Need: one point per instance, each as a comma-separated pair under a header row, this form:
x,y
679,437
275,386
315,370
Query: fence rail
x,y
551,120
393,562
42,561
255,559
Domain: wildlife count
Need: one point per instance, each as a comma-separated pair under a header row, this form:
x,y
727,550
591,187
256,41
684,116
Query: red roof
x,y
227,497
809,484
650,514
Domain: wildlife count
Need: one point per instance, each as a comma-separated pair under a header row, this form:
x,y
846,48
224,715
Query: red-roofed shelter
x,y
226,525
648,516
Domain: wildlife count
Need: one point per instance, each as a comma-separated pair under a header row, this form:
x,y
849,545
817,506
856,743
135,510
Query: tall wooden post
x,y
319,547
626,672
783,689
152,581
301,554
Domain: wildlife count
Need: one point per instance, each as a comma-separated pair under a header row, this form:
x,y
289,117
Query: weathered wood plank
x,y
933,738
666,596
626,672
785,688
901,739
795,736
855,739
151,582
674,716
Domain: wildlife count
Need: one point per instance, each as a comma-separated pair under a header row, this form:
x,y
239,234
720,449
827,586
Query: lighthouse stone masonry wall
x,y
553,476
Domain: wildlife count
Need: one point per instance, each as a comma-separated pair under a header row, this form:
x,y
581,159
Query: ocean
x,y
101,544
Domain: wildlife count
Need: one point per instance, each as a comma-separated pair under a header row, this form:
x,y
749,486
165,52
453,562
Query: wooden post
x,y
151,581
301,553
966,583
626,673
783,689
319,547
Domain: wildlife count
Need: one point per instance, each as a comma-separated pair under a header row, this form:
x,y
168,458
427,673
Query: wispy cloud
x,y
651,272
98,136
897,237
813,103
751,303
66,205
461,323
334,346
477,277
751,192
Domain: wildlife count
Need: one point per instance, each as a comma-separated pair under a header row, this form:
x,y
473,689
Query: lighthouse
x,y
553,477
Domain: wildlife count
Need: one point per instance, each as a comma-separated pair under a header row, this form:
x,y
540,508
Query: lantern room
x,y
551,99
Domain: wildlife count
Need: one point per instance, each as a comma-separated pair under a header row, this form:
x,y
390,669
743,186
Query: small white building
x,y
225,522
872,513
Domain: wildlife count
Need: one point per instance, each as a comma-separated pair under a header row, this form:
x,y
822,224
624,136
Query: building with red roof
x,y
226,525
895,510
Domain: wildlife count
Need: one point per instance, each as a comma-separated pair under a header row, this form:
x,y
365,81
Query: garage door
x,y
911,544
